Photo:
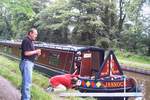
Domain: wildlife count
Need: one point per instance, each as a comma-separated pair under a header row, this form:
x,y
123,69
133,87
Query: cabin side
x,y
62,58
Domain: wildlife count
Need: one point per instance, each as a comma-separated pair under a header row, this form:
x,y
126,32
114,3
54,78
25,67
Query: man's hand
x,y
38,51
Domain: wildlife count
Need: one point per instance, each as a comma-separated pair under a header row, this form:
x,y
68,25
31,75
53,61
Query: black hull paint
x,y
104,90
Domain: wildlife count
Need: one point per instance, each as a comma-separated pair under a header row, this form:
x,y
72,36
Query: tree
x,y
96,19
88,20
131,35
53,22
122,15
16,15
146,32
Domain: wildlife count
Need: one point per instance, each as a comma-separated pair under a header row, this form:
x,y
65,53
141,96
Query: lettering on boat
x,y
113,84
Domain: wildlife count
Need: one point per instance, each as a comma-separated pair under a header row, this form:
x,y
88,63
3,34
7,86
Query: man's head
x,y
32,33
74,80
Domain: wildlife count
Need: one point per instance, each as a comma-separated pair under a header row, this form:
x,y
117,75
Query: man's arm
x,y
30,53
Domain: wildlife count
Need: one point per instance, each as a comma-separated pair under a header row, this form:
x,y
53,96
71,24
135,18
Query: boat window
x,y
54,58
110,66
106,69
68,61
115,68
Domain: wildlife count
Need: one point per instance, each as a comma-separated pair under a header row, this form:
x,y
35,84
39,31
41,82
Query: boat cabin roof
x,y
68,47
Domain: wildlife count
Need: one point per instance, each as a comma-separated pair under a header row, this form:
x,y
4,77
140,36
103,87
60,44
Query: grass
x,y
10,70
133,60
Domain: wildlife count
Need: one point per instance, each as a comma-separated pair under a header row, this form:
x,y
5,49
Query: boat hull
x,y
106,85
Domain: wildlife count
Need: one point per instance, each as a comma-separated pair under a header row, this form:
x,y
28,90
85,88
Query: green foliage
x,y
15,15
123,54
132,9
133,35
103,42
53,22
93,20
14,76
87,19
132,60
83,22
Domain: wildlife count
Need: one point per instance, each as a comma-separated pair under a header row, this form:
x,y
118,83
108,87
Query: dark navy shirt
x,y
27,45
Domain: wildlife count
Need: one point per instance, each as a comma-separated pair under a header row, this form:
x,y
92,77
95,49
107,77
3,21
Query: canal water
x,y
143,80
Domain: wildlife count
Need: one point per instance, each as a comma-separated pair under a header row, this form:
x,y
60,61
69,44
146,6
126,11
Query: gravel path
x,y
8,91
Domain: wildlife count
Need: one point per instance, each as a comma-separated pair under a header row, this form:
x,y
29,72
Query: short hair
x,y
74,80
31,30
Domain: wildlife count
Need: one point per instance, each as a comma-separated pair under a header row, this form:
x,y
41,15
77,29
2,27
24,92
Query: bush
x,y
103,43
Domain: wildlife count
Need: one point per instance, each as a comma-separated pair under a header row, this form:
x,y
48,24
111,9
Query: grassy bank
x,y
10,70
133,60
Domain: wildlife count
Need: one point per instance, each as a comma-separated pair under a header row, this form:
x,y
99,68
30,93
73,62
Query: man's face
x,y
33,35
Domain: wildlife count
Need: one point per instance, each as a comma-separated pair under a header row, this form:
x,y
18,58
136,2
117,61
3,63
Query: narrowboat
x,y
59,58
109,78
95,73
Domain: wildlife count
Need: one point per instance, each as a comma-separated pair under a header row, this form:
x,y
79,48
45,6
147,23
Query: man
x,y
77,63
62,82
28,55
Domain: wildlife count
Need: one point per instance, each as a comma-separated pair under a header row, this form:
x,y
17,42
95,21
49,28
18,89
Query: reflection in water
x,y
142,80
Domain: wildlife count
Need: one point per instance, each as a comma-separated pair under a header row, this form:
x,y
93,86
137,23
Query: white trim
x,y
119,94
